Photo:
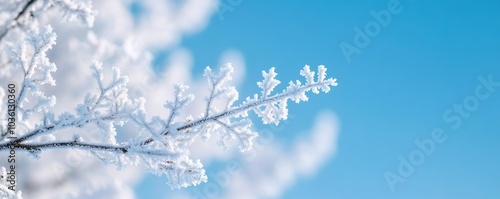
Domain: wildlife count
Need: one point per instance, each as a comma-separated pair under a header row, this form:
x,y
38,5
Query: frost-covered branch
x,y
25,13
272,109
14,23
161,142
165,152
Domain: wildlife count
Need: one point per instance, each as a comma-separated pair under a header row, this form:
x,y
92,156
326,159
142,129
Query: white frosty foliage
x,y
5,192
269,83
30,56
161,143
18,16
75,10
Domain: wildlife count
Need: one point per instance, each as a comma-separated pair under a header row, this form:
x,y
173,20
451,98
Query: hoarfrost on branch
x,y
161,143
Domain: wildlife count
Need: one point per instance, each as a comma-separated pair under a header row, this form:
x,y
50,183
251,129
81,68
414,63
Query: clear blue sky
x,y
425,61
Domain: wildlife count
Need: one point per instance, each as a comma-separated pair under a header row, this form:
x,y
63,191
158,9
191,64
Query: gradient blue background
x,y
394,91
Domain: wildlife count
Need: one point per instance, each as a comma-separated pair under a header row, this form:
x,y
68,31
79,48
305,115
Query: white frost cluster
x,y
274,109
30,55
75,10
5,192
162,142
